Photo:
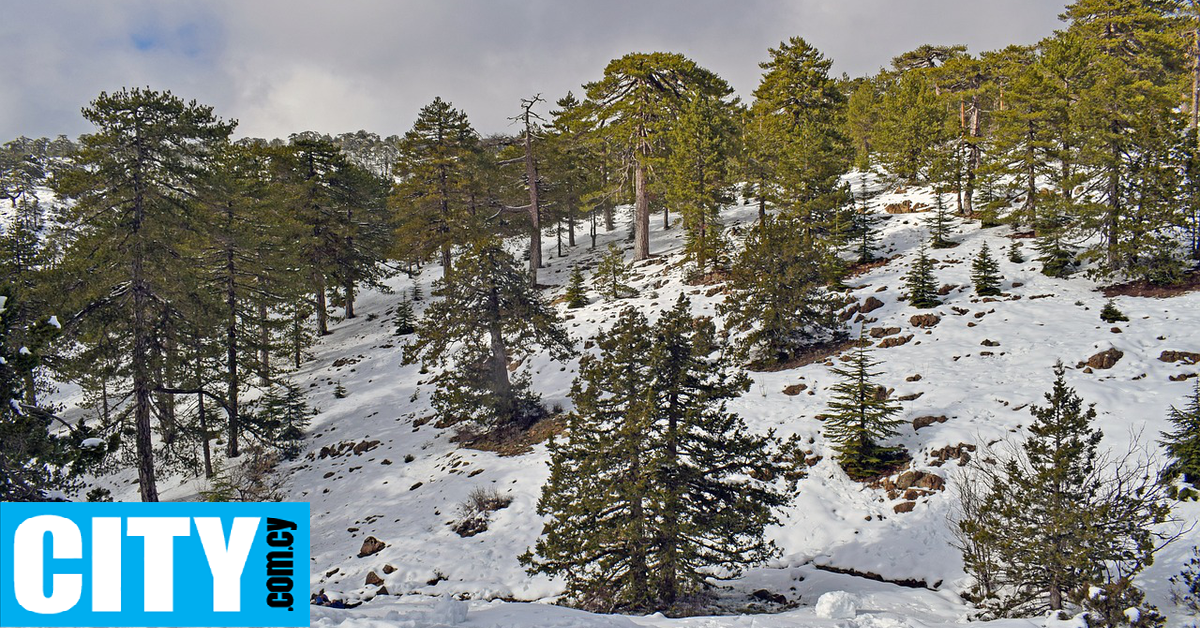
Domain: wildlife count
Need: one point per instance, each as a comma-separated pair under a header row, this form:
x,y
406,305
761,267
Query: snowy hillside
x,y
377,465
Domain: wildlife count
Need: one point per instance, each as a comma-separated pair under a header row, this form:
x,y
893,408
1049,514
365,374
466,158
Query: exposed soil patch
x,y
509,441
1190,283
814,353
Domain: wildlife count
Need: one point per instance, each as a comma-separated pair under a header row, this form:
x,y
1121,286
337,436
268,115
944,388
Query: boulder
x,y
925,320
371,546
387,569
870,305
931,482
795,389
926,421
766,596
989,343
374,579
894,341
904,507
880,332
1105,359
1179,356
908,479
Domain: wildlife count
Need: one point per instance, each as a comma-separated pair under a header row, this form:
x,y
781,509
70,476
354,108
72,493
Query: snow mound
x,y
837,605
448,611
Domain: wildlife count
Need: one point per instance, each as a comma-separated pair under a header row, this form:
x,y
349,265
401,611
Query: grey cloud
x,y
281,66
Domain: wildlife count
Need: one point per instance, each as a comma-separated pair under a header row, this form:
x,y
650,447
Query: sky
x,y
284,66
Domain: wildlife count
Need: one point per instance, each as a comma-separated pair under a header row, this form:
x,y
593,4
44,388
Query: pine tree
x,y
339,391
864,237
1183,443
912,132
920,282
1111,314
576,294
611,273
698,179
939,225
779,298
134,189
861,417
283,414
985,273
1052,520
405,323
430,200
639,98
651,488
1014,252
801,112
487,314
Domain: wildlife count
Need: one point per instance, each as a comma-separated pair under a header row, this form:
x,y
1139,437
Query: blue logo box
x,y
135,564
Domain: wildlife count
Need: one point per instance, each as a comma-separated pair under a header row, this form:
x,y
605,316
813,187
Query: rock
x,y
365,446
946,288
912,494
382,591
374,579
1182,377
1179,356
894,341
904,207
1116,330
387,569
925,320
926,421
904,507
371,546
931,482
880,332
870,305
989,343
908,479
836,605
766,596
913,378
1088,370
911,397
795,389
1105,359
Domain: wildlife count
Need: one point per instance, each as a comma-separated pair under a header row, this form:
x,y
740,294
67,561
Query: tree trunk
x,y
535,221
322,314
232,381
208,469
264,348
641,225
973,158
498,366
349,289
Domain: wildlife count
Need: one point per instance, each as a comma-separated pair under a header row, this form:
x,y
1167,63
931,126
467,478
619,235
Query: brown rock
x,y
880,332
931,482
374,579
904,507
387,569
913,378
925,320
989,343
870,305
1116,330
926,421
912,493
907,479
1105,359
894,341
795,389
946,288
1182,377
1179,356
371,546
911,397
904,207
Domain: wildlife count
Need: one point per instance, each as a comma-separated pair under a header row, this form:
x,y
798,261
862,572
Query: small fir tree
x,y
1014,252
1185,587
920,282
284,414
863,234
611,275
339,391
939,225
417,294
861,417
405,324
1111,314
1182,444
576,294
985,273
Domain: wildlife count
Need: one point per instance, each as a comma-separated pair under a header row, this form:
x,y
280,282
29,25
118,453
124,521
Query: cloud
x,y
282,66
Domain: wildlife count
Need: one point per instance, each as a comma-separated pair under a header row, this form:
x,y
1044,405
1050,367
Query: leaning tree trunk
x,y
322,314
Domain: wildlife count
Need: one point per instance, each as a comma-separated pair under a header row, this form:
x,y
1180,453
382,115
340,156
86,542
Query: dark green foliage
x,y
1054,519
861,417
576,294
863,235
417,294
283,414
486,315
34,459
405,323
1110,314
985,273
1014,252
920,282
1185,586
939,225
778,294
1182,444
611,274
339,391
654,483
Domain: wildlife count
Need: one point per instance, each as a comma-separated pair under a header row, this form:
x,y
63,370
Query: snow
x,y
54,322
984,391
836,605
92,443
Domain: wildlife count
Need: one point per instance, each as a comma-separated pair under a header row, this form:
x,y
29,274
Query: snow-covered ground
x,y
406,489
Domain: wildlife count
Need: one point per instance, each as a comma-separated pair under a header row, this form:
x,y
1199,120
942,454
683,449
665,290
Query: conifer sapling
x,y
985,273
920,282
576,294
